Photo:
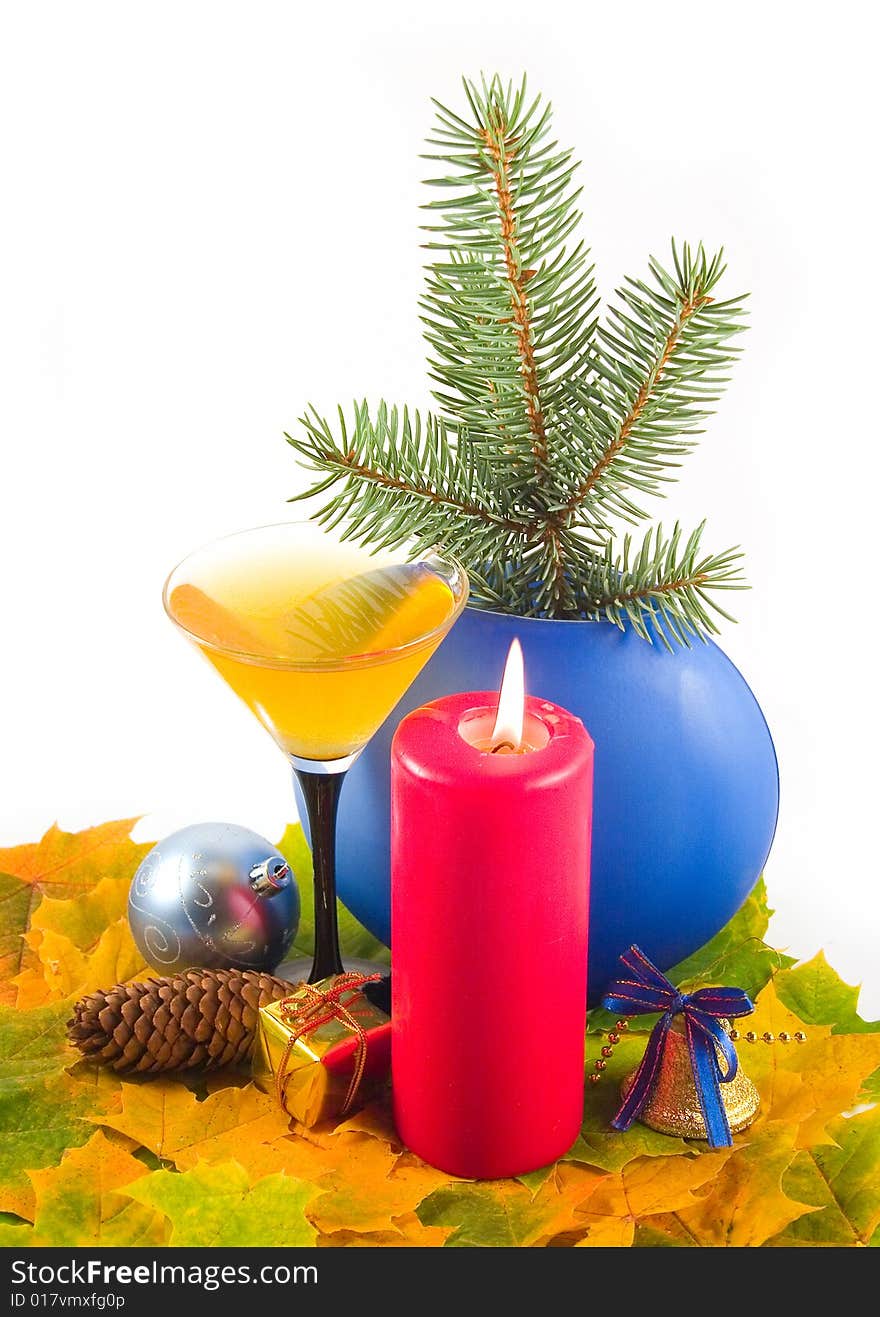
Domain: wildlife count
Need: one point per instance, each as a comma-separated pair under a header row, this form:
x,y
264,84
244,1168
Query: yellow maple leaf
x,y
69,863
69,971
805,1084
367,1184
83,918
166,1117
745,1204
642,1188
408,1232
28,989
606,1231
375,1119
74,885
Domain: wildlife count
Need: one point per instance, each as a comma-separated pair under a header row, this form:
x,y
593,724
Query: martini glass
x,y
320,638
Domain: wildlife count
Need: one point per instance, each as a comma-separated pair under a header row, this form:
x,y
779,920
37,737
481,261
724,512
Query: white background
x,y
210,217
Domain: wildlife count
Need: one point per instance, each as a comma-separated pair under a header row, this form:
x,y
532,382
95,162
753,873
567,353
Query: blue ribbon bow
x,y
648,991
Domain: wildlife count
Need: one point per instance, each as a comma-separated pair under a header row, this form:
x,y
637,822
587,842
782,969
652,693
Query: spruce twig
x,y
550,424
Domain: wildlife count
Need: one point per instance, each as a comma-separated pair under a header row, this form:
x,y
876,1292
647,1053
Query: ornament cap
x,y
270,876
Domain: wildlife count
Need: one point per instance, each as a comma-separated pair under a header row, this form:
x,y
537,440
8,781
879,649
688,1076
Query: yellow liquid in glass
x,y
314,643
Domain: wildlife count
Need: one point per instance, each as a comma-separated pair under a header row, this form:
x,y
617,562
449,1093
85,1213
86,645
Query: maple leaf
x,y
642,1188
818,995
68,866
76,1202
408,1232
167,1117
504,1213
28,990
601,1146
69,972
65,864
83,919
216,1206
842,1181
43,1111
353,1172
649,1185
16,902
671,1235
367,1185
375,1119
370,1186
746,1204
806,1084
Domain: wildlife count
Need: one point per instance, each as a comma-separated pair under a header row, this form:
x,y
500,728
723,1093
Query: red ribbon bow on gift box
x,y
316,1006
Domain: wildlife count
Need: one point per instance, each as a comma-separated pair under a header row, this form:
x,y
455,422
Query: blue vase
x,y
686,782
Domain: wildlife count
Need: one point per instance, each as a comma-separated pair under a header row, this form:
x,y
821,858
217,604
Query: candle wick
x,y
502,745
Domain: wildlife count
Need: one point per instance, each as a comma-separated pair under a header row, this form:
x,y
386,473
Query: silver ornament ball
x,y
213,896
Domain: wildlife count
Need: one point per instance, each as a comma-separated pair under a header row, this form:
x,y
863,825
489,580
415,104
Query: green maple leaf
x,y
42,1110
32,1043
601,1146
818,994
481,1214
649,1237
502,1213
78,1202
216,1206
843,1181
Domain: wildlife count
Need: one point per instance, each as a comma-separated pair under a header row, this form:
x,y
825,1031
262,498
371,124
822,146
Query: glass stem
x,y
321,794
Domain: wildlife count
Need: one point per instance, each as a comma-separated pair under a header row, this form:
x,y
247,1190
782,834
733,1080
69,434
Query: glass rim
x,y
367,658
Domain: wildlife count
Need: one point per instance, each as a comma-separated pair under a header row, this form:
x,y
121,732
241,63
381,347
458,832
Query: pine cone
x,y
202,1017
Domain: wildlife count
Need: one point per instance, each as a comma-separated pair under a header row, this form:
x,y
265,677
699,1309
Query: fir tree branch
x,y
346,466
646,389
662,584
400,478
503,153
550,425
656,370
508,307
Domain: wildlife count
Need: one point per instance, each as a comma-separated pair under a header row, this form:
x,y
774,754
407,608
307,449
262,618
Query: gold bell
x,y
673,1106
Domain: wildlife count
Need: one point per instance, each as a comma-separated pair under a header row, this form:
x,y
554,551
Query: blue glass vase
x,y
686,781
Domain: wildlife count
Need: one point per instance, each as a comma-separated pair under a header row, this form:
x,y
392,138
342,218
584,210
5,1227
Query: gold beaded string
x,y
734,1035
767,1037
608,1050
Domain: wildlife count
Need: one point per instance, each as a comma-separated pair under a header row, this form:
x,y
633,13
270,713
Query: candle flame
x,y
508,729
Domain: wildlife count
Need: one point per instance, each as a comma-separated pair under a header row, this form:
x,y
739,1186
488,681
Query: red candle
x,y
490,875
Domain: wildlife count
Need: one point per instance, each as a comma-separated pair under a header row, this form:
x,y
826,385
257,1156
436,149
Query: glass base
x,y
298,969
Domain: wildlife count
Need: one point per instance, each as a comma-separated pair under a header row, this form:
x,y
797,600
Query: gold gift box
x,y
313,1074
